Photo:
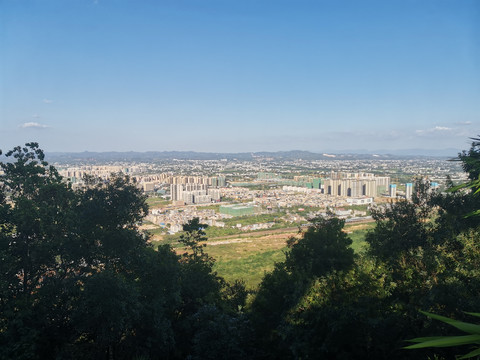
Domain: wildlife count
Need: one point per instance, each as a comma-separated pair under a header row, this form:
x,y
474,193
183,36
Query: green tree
x,y
323,302
200,285
322,251
403,239
459,219
79,280
471,161
35,210
344,316
323,247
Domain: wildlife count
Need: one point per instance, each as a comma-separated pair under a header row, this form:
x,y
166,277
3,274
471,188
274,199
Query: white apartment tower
x,y
408,191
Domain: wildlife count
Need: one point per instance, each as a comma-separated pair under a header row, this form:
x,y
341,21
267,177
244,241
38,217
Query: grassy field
x,y
209,207
357,233
250,268
157,202
248,256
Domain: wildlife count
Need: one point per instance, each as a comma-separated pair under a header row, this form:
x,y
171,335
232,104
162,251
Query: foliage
x,y
321,251
324,303
343,316
448,341
323,247
471,160
462,212
79,280
221,335
471,165
250,265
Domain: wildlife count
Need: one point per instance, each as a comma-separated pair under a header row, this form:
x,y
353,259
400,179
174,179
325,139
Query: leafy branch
x,y
473,337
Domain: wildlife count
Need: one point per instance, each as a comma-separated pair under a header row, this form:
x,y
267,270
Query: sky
x,y
239,75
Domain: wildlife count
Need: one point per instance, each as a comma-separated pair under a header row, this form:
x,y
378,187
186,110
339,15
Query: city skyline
x,y
214,76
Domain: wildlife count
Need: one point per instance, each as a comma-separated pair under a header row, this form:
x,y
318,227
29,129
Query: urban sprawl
x,y
291,191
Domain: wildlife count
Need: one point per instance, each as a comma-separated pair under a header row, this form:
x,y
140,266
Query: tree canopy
x,y
79,280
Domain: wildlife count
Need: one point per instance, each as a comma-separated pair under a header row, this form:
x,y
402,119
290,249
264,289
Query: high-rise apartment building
x,y
393,190
355,184
408,191
176,191
193,193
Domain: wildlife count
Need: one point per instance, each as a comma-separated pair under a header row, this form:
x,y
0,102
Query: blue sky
x,y
228,76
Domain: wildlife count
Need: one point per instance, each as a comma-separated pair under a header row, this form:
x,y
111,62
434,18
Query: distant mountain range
x,y
279,155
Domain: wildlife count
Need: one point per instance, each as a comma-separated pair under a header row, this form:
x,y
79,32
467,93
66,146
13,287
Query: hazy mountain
x,y
132,156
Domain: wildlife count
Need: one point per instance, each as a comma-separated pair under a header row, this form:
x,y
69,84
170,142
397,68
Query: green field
x,y
213,232
250,260
251,268
157,202
247,256
357,233
209,207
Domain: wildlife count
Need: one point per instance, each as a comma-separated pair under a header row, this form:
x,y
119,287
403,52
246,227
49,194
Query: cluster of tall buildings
x,y
164,178
355,184
193,193
76,174
344,184
409,189
186,189
195,189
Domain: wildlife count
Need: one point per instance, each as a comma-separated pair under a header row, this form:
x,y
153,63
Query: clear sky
x,y
239,75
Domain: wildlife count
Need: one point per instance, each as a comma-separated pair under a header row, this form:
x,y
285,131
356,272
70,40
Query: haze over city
x,y
224,76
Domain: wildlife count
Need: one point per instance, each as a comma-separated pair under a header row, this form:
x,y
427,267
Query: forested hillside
x,y
80,281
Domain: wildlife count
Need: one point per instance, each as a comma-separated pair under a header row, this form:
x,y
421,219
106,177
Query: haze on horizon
x,y
244,76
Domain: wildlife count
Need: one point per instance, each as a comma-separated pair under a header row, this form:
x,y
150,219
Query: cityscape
x,y
294,190
239,179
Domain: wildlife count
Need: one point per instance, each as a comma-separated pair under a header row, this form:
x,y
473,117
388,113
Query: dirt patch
x,y
148,227
259,234
255,242
232,241
155,238
362,226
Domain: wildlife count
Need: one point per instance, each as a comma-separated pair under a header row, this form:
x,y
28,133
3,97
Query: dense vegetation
x,y
79,280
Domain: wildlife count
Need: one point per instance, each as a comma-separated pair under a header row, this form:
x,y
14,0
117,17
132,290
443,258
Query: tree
x,y
459,216
34,212
323,247
322,251
344,315
471,161
34,209
78,278
403,239
471,165
200,285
